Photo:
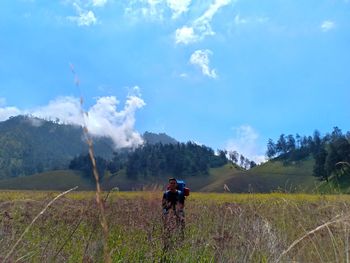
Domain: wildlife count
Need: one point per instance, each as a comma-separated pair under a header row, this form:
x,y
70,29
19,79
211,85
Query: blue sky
x,y
224,73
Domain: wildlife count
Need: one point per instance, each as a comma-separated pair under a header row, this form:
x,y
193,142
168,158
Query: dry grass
x,y
219,228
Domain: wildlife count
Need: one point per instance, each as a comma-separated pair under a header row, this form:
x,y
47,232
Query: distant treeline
x,y
180,159
331,152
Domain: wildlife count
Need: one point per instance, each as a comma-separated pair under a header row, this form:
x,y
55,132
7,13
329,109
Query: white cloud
x,y
201,59
178,7
327,25
201,27
84,18
8,112
102,119
245,142
99,2
185,35
67,109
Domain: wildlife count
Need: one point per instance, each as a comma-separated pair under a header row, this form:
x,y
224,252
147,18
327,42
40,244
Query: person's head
x,y
172,184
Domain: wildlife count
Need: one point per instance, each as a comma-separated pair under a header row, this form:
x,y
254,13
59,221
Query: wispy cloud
x,y
151,10
238,20
102,119
99,2
245,141
327,25
201,58
84,17
156,10
200,28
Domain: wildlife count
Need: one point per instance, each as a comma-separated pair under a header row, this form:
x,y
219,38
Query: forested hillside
x,y
31,145
331,152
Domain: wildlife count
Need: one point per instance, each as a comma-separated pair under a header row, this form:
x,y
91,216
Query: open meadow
x,y
219,228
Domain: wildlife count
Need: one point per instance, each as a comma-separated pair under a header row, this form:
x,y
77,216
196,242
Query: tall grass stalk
x,y
325,225
99,201
346,237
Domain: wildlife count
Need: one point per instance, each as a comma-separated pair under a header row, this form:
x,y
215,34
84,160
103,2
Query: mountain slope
x,y
268,177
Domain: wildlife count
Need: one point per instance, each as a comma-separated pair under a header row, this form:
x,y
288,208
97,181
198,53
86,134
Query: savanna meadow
x,y
41,226
106,104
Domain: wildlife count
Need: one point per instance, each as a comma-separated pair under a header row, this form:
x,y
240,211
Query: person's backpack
x,y
181,186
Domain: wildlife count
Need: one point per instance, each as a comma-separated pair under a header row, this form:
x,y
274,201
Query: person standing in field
x,y
173,204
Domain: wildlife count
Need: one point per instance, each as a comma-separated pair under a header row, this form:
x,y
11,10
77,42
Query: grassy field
x,y
219,228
